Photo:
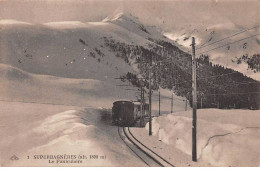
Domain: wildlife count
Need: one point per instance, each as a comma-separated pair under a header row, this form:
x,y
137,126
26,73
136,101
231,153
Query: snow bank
x,y
217,143
44,129
69,135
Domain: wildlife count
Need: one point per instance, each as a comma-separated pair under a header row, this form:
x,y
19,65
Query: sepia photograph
x,y
129,83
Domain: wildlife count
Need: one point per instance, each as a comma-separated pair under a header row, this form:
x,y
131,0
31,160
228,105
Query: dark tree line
x,y
217,86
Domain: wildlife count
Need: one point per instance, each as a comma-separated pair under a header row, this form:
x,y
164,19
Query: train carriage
x,y
126,113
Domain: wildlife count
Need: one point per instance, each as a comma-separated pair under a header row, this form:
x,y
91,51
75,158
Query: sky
x,y
163,13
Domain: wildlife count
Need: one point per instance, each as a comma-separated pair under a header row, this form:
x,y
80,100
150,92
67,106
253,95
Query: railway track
x,y
145,154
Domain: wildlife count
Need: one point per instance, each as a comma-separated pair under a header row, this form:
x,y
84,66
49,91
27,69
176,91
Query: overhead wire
x,y
203,46
229,44
224,94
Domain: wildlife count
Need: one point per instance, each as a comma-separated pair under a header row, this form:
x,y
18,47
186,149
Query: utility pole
x,y
214,96
172,102
143,104
201,102
141,107
150,99
186,103
157,81
172,86
159,103
194,103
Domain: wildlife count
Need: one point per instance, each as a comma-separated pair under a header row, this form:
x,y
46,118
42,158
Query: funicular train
x,y
126,113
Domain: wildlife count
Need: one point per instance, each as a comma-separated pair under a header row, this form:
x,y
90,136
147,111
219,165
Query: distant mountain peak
x,y
128,22
121,16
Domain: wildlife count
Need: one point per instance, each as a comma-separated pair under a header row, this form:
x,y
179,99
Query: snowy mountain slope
x,y
132,24
58,52
72,45
122,28
18,85
73,49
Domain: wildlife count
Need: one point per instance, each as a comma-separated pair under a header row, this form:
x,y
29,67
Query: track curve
x,y
145,154
162,159
120,135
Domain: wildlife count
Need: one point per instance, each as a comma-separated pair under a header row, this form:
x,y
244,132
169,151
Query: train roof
x,y
129,101
120,101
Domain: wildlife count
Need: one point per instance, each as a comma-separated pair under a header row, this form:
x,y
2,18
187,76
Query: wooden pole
x,y
201,102
172,86
141,111
159,103
186,104
143,105
150,100
194,103
157,81
172,103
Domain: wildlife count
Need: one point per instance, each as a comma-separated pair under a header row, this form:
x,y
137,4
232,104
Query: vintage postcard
x,y
130,83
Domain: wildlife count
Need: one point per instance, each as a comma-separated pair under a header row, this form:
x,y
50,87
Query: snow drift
x,y
233,143
60,130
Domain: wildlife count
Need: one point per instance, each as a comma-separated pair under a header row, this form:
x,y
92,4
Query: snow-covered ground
x,y
42,129
50,115
19,85
224,137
